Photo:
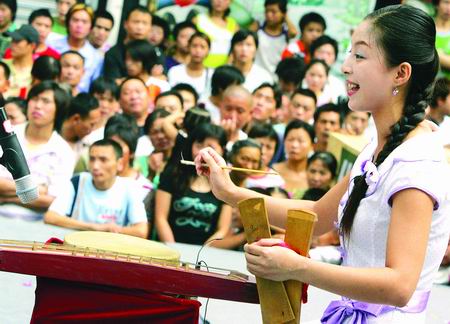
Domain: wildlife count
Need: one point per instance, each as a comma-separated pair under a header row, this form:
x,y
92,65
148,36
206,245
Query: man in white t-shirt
x,y
100,200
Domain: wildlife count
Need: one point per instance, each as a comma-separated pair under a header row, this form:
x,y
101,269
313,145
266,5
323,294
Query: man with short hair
x,y
23,45
100,200
327,118
8,10
133,100
83,114
103,24
72,70
266,99
138,24
79,24
235,112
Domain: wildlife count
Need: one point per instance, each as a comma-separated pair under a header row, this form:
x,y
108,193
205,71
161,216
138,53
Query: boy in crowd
x,y
327,118
312,25
103,24
100,200
273,34
72,70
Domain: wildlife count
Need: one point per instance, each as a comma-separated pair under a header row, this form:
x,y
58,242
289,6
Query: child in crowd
x,y
194,72
246,154
273,34
182,32
312,25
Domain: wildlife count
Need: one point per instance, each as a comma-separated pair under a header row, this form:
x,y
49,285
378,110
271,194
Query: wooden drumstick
x,y
231,168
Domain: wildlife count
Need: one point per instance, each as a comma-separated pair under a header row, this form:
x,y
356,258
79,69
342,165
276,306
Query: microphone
x,y
13,159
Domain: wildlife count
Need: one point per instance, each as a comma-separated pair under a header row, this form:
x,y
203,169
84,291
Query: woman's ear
x,y
403,74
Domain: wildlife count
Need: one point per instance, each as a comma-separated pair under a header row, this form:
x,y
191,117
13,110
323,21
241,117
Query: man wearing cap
x,y
8,10
23,43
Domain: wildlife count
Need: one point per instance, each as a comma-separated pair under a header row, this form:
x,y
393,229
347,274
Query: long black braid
x,y
401,41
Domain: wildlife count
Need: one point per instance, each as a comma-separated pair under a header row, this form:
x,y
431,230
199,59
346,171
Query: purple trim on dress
x,y
396,190
358,312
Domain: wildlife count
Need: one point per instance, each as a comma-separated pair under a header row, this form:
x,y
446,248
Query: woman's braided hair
x,y
405,34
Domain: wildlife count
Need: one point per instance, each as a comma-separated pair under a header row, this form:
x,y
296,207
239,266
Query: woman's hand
x,y
267,260
219,179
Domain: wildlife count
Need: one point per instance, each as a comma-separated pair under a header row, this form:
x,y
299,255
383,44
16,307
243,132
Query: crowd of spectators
x,y
104,127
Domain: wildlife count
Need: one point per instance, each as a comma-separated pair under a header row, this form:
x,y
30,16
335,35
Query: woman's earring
x,y
395,91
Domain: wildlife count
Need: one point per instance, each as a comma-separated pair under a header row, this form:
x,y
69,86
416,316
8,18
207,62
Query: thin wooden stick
x,y
231,168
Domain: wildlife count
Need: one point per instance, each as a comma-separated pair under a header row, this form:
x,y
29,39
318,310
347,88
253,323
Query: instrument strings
x,y
198,265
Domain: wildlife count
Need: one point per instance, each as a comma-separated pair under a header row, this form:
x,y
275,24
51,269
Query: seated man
x,y
100,200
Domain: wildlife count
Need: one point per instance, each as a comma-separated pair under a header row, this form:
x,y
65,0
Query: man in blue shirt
x,y
100,200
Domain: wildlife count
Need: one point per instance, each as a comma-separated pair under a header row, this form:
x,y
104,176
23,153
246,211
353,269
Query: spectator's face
x,y
5,16
326,122
297,144
183,39
104,165
248,157
311,32
100,32
72,69
268,146
316,77
198,49
134,68
245,51
63,6
4,82
80,25
443,10
188,99
41,109
15,113
21,48
326,52
264,104
274,16
236,108
108,104
138,25
220,5
133,98
84,126
282,113
156,35
356,122
208,142
170,103
318,175
161,142
302,107
43,25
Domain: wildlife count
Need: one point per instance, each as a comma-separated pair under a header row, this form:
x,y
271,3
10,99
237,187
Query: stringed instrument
x,y
162,274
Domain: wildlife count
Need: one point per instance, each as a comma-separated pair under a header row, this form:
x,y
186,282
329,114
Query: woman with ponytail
x,y
392,209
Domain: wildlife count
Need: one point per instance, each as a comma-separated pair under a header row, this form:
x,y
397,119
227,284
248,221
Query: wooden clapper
x,y
280,301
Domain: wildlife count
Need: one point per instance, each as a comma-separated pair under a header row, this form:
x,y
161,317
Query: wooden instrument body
x,y
125,271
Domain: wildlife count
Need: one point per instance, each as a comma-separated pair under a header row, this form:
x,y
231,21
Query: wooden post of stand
x,y
275,305
299,230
